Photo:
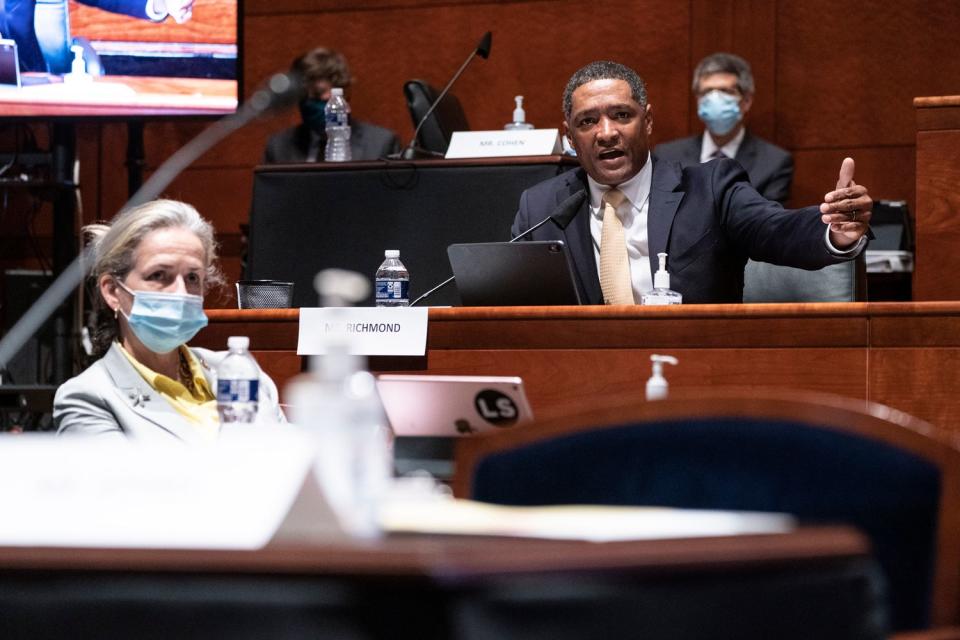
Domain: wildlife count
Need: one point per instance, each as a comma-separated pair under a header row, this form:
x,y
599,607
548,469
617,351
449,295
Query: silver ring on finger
x,y
853,215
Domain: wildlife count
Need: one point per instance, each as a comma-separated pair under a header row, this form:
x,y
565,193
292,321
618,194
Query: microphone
x,y
412,151
562,216
280,90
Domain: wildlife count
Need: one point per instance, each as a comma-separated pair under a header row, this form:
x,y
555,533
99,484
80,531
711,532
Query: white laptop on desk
x,y
452,406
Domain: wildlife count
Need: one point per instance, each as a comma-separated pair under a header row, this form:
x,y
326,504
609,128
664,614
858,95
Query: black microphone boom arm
x,y
483,50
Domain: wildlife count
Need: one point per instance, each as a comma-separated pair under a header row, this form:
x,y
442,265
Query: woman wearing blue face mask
x,y
151,269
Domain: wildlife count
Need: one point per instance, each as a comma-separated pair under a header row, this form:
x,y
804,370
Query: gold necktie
x,y
614,264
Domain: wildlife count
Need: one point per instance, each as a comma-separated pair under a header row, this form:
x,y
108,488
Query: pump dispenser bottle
x,y
661,292
519,117
657,385
78,67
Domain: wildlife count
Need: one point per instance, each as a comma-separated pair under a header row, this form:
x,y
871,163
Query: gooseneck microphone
x,y
562,216
281,90
411,151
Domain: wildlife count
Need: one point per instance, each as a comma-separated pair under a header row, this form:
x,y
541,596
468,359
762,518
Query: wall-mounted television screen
x,y
69,58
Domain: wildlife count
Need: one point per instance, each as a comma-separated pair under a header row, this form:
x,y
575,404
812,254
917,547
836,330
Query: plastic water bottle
x,y
393,281
238,383
336,402
337,116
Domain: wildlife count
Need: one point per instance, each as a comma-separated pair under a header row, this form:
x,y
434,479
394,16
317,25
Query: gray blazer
x,y
111,399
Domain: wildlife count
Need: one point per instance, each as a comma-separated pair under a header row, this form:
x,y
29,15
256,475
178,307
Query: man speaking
x,y
707,218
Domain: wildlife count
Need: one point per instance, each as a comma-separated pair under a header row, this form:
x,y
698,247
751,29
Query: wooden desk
x,y
450,588
905,355
938,198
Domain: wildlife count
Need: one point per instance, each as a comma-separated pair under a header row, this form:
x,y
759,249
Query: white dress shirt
x,y
708,148
633,214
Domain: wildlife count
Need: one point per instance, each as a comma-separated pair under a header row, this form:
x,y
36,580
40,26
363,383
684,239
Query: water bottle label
x,y
392,289
238,391
334,119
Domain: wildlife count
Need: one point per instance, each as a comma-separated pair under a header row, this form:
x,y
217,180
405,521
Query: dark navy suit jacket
x,y
770,168
708,218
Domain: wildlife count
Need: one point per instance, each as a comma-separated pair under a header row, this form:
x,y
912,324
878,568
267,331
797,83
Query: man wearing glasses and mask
x,y
723,86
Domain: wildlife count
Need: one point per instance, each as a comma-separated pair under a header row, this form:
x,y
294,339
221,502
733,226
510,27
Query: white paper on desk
x,y
237,494
575,522
369,331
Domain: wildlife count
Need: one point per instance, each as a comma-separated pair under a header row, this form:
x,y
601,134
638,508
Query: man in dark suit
x,y
724,88
322,70
707,218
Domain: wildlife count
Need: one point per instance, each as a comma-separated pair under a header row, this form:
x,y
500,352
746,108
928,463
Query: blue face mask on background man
x,y
164,321
312,112
719,111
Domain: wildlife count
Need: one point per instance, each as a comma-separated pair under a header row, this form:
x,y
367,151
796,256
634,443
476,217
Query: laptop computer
x,y
452,406
498,274
9,64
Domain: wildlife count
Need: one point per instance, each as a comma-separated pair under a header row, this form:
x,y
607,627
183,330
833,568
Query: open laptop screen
x,y
500,274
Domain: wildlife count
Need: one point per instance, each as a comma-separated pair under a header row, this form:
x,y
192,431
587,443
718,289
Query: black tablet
x,y
498,274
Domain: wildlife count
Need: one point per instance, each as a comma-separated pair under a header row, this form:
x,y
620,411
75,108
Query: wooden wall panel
x,y
746,28
846,77
536,46
886,171
939,195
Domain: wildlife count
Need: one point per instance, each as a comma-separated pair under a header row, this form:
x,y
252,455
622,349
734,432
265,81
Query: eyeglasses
x,y
730,91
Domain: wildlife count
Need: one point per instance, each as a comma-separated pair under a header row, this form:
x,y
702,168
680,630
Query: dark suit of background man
x,y
723,86
707,217
322,70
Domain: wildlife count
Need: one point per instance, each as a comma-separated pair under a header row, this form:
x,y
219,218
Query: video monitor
x,y
68,58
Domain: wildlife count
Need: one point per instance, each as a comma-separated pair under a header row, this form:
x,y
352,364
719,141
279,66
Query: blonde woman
x,y
152,267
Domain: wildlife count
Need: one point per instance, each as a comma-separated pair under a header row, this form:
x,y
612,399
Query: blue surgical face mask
x,y
719,111
312,112
164,321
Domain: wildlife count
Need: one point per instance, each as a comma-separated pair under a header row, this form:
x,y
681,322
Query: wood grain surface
x,y
938,207
213,21
904,355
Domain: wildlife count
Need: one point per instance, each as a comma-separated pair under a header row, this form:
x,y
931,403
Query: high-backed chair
x,y
446,118
822,458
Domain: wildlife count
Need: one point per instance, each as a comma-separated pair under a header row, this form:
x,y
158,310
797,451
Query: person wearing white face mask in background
x,y
151,268
724,88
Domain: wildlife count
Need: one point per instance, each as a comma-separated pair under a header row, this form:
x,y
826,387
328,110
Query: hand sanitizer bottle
x,y
78,67
519,117
657,385
661,292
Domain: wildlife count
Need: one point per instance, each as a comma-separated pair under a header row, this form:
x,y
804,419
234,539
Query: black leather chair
x,y
448,117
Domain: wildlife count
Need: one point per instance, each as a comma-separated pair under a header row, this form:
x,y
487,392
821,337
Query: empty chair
x,y
843,282
448,117
822,458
